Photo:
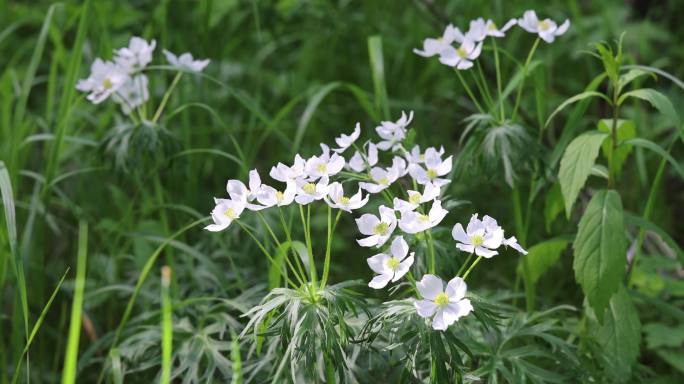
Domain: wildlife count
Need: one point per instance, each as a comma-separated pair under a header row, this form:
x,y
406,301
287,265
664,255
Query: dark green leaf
x,y
542,256
576,164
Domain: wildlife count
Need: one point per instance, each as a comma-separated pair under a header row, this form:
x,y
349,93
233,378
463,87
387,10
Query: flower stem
x,y
165,98
469,92
300,279
522,81
498,79
331,233
306,225
264,251
483,87
431,249
465,264
465,276
288,235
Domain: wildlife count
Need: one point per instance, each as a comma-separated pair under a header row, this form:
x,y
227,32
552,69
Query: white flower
x,y
357,163
345,141
434,169
378,229
416,198
224,213
133,93
185,62
399,166
105,79
282,172
479,237
382,178
390,267
393,133
463,56
479,29
414,222
308,192
432,47
340,201
136,56
447,306
416,157
269,196
239,192
317,167
547,29
513,243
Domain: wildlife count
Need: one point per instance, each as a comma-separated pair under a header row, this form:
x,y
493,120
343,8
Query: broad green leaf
x,y
574,99
542,256
657,100
620,334
553,205
575,166
600,249
660,335
639,142
625,131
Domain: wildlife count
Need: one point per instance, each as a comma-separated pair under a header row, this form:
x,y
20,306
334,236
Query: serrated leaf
x,y
542,256
625,131
620,334
576,164
657,100
600,249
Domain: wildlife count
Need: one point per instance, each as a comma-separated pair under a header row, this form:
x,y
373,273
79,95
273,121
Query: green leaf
x,y
600,249
542,256
553,205
574,99
378,72
575,166
674,358
639,142
632,75
625,131
274,275
620,334
660,335
657,100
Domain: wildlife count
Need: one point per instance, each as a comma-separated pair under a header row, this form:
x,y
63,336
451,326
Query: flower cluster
x,y
124,79
417,209
459,50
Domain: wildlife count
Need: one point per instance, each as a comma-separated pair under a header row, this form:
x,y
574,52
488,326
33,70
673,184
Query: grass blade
x,y
71,357
167,325
378,72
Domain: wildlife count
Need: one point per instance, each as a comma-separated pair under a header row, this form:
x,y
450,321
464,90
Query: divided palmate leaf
x,y
575,166
600,250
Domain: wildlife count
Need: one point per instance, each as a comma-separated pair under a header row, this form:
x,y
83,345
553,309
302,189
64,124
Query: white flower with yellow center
x,y
238,191
479,238
359,163
415,222
185,62
547,29
346,141
346,203
324,166
382,178
416,198
282,172
133,93
434,46
136,56
480,29
269,196
418,157
225,212
463,56
445,306
434,169
392,133
491,225
378,229
390,267
308,191
105,79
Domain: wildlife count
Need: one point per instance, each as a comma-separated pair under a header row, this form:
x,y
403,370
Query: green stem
x,y
265,252
306,225
331,233
431,249
613,139
465,276
498,79
278,245
469,92
165,98
465,264
286,228
483,86
522,81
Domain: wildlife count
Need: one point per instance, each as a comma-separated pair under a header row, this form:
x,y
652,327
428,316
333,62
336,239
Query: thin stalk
x,y
288,235
165,98
264,251
469,92
431,250
306,225
498,79
278,245
465,276
483,86
465,264
613,139
522,81
167,325
331,233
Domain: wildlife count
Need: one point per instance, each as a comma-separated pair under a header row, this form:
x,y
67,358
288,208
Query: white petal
x,y
403,268
465,247
438,322
369,241
456,289
459,234
425,308
399,248
484,252
366,223
378,263
430,286
562,28
380,281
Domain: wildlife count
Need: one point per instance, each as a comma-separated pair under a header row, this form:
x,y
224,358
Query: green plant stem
x,y
288,235
522,81
431,249
465,264
482,85
306,225
331,233
498,80
613,139
167,325
469,91
165,98
465,276
264,251
300,279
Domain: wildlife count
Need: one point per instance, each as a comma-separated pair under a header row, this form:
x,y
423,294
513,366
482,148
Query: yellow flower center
x,y
106,83
415,198
344,200
421,157
424,218
393,263
381,228
431,174
309,188
230,213
321,168
543,25
461,53
442,300
492,27
383,180
279,196
477,240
